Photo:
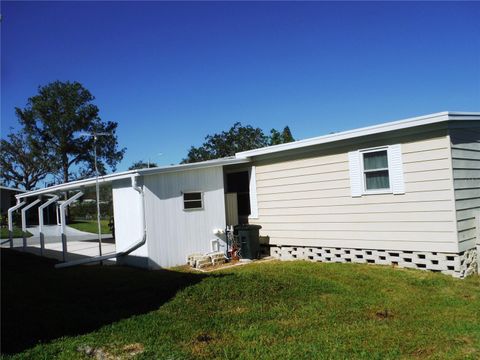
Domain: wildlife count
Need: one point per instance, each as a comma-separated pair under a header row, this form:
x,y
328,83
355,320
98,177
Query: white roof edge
x,y
369,130
77,184
193,166
127,174
244,157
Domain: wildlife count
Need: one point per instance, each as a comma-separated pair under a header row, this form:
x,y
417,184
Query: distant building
x,y
7,196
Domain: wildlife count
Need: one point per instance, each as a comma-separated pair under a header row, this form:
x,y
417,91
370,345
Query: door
x,y
231,208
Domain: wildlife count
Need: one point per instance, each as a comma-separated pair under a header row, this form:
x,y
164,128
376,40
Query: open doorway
x,y
237,197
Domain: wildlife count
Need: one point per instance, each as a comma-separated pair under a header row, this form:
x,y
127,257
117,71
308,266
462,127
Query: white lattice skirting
x,y
455,264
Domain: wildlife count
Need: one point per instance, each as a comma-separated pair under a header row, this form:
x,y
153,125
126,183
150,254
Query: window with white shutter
x,y
376,171
376,177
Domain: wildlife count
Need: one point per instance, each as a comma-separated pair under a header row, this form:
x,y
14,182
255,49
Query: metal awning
x,y
79,184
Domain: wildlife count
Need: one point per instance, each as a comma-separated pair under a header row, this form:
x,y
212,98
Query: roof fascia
x,y
369,130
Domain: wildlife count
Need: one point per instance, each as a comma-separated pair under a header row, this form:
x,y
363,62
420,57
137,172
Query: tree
x,y
22,162
283,137
238,138
63,117
227,143
142,165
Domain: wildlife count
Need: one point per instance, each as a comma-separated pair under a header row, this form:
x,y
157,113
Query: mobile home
x,y
403,193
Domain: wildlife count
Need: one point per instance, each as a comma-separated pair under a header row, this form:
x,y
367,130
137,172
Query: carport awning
x,y
76,184
128,174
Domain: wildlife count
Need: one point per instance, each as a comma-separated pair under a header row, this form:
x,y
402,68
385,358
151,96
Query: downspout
x,y
142,240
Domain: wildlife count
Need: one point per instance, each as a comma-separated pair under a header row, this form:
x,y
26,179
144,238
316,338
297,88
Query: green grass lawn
x,y
270,310
90,226
17,233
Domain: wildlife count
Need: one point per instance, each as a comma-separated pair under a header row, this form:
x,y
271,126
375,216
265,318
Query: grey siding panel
x,y
306,200
465,144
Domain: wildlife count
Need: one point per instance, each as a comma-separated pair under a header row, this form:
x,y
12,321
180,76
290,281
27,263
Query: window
x,y
375,170
192,201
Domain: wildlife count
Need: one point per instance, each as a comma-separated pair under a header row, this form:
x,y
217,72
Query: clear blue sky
x,y
170,73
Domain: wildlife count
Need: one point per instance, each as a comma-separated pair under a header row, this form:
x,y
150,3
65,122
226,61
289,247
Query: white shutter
x,y
395,167
355,173
253,194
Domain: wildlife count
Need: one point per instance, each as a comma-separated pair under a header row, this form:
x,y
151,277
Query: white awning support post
x,y
57,213
40,221
63,224
24,222
10,220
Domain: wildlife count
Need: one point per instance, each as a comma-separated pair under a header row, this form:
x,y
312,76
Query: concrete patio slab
x,y
75,249
55,231
80,244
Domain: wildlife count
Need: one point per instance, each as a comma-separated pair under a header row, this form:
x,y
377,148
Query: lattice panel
x,y
455,264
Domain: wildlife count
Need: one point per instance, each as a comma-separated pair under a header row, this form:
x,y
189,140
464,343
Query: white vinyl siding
x,y
307,200
128,225
466,174
172,232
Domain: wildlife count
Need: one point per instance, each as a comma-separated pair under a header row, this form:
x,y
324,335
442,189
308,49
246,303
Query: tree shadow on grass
x,y
41,303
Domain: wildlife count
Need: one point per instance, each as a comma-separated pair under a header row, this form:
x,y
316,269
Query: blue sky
x,y
171,73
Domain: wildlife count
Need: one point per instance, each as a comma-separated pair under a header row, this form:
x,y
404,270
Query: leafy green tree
x,y
283,137
62,116
23,163
142,165
238,138
227,143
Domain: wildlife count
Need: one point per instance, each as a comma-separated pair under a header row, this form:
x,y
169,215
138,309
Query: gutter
x,y
142,240
78,184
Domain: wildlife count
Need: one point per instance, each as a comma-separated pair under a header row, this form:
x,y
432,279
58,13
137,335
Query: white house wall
x,y
305,200
172,232
465,143
128,227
